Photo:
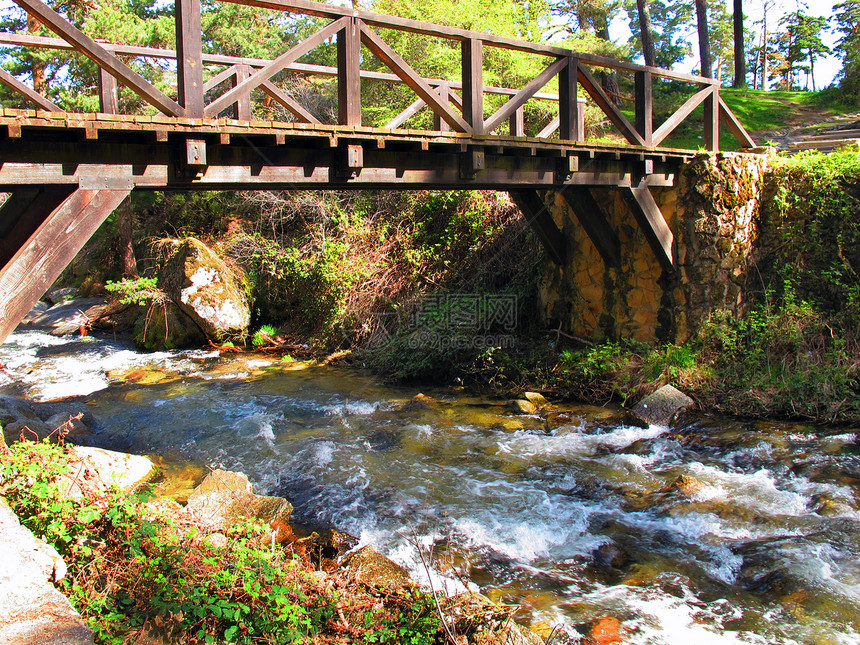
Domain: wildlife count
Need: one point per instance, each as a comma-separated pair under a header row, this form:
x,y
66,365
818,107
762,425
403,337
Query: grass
x,y
759,112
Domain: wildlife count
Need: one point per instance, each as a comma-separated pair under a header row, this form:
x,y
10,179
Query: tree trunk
x,y
37,68
124,226
764,47
704,39
646,32
608,80
740,54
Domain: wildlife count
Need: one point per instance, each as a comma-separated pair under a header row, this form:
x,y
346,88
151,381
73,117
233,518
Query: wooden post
x,y
242,106
438,122
473,84
517,123
569,109
349,75
644,106
712,120
189,57
108,93
48,251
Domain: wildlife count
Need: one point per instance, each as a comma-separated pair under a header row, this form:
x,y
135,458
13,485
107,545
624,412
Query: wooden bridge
x,y
65,172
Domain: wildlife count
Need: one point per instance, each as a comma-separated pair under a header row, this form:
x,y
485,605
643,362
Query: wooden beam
x,y
35,266
281,62
551,127
678,117
189,57
411,78
288,102
108,93
31,95
242,106
712,120
593,220
439,124
735,127
644,208
323,10
407,114
535,210
23,212
569,110
604,103
472,76
220,77
525,94
102,57
517,123
645,106
349,74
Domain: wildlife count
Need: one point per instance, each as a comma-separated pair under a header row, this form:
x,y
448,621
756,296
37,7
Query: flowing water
x,y
722,532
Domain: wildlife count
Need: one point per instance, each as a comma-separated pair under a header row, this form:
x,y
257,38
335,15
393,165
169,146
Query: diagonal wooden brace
x,y
537,214
641,203
43,256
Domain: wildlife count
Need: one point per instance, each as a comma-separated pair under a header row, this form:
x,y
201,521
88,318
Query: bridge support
x,y
535,210
48,225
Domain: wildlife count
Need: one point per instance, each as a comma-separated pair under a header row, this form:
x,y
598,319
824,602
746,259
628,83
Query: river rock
x,y
97,469
514,634
662,407
375,569
68,316
209,291
523,406
605,630
41,420
225,498
535,398
33,611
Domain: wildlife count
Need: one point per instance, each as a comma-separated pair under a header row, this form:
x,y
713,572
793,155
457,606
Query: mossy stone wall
x,y
712,212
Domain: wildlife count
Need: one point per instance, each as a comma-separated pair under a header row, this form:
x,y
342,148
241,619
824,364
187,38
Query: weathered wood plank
x,y
644,208
27,92
535,210
23,212
712,120
645,106
105,59
550,127
593,221
570,117
595,91
472,76
519,99
288,102
108,93
411,78
678,117
728,117
34,267
219,78
189,56
349,75
407,114
256,79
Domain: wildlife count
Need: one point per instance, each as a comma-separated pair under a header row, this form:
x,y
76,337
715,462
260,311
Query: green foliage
x,y
135,291
126,570
264,336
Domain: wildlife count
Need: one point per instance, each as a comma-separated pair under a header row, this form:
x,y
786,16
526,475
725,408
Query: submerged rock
x,y
662,407
38,421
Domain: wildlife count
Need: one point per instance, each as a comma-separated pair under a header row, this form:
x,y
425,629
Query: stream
x,y
722,532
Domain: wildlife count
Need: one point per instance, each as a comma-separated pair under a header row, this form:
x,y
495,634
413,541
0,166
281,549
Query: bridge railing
x,y
457,105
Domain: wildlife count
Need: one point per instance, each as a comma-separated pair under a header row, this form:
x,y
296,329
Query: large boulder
x,y
207,290
32,610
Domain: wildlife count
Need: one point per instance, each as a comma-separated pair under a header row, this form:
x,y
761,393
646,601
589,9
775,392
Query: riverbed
x,y
721,532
